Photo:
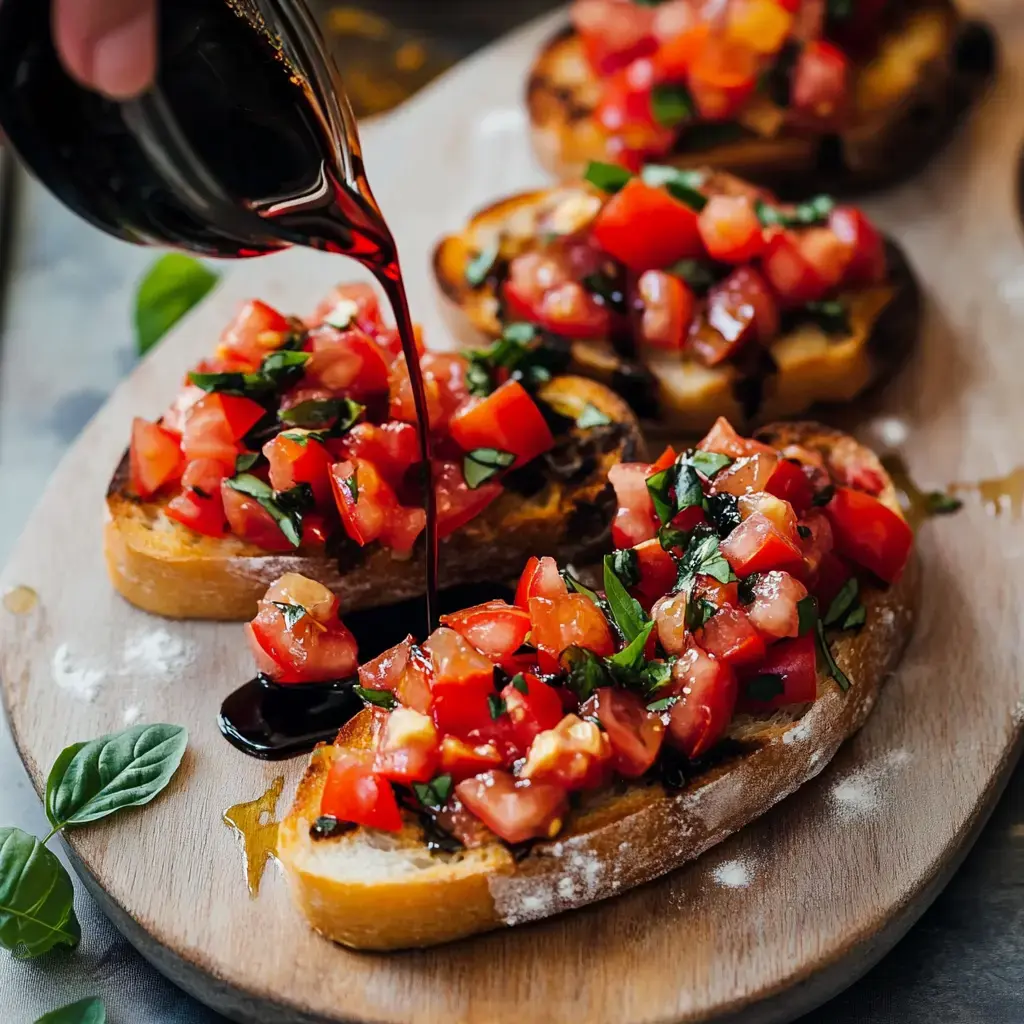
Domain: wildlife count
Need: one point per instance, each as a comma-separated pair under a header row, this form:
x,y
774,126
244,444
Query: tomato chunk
x,y
494,628
461,681
668,308
249,520
354,792
635,733
154,458
568,621
574,754
408,750
869,533
773,611
707,698
256,331
215,426
794,662
790,483
635,520
658,570
508,419
730,636
515,810
200,506
457,502
730,229
533,707
540,578
757,545
370,509
295,458
462,760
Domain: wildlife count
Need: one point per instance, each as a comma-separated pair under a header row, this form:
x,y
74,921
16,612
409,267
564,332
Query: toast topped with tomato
x,y
533,757
295,448
797,94
691,293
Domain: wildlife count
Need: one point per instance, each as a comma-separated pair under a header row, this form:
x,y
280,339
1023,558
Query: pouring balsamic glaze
x,y
244,146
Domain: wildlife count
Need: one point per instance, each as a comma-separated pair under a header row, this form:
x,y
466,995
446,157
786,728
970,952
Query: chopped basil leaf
x,y
519,333
857,617
480,266
703,558
496,706
669,537
689,491
659,487
807,614
833,669
814,211
591,417
571,581
327,826
803,531
708,464
284,506
746,588
338,414
831,315
586,672
698,613
607,177
519,683
681,185
626,611
655,676
941,504
434,794
479,381
765,687
631,657
724,512
608,290
824,496
378,698
515,351
672,104
663,705
843,601
303,437
277,371
293,613
675,489
626,565
245,461
698,275
482,464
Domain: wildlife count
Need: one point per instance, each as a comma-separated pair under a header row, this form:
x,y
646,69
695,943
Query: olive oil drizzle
x,y
255,825
20,600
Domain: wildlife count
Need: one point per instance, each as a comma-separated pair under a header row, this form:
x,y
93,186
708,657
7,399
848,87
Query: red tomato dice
x,y
250,521
707,699
409,748
533,707
870,534
457,502
820,81
635,520
494,628
723,77
256,331
722,438
540,290
296,458
773,612
366,311
668,308
540,578
795,662
508,419
731,637
635,734
613,34
215,426
199,506
154,458
461,681
402,402
730,229
565,622
658,570
354,792
867,265
347,362
515,810
757,545
789,271
462,760
370,509
790,483
833,572
749,474
574,755
669,614
392,447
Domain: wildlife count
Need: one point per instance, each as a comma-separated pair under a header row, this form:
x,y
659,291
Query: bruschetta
x,y
802,96
691,293
529,758
295,449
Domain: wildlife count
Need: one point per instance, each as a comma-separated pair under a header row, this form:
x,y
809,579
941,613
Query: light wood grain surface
x,y
822,884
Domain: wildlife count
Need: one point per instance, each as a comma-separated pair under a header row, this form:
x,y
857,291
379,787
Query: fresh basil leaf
x,y
303,437
670,538
434,794
519,351
842,602
245,461
814,211
681,185
824,496
672,104
479,381
631,657
807,614
700,276
519,683
607,177
482,464
496,706
591,417
724,512
170,288
698,613
689,491
293,613
278,371
378,698
830,662
702,558
765,687
85,1011
659,487
746,588
708,464
572,582
585,671
831,315
517,333
655,676
626,611
937,503
663,705
36,898
337,414
479,268
609,291
626,565
289,520
857,617
92,780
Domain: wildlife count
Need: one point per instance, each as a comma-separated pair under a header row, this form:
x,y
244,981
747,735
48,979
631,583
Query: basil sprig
x,y
625,609
278,371
483,464
338,415
679,487
286,507
85,1011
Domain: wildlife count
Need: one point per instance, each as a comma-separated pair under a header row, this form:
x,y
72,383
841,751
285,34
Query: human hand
x,y
108,45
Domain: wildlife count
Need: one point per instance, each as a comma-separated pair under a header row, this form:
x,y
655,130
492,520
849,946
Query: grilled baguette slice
x,y
806,366
563,507
907,101
373,890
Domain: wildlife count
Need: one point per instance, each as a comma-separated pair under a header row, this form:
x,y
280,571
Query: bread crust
x,y
371,891
908,102
167,569
675,395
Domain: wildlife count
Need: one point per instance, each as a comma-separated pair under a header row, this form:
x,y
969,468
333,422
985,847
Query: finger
x,y
108,45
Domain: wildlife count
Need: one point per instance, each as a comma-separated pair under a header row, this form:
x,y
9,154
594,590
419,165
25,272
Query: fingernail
x,y
124,59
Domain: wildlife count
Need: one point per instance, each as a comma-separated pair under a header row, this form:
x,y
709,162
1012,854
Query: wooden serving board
x,y
763,927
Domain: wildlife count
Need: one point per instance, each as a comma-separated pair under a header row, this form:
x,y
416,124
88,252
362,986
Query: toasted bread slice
x,y
375,890
564,507
807,366
907,101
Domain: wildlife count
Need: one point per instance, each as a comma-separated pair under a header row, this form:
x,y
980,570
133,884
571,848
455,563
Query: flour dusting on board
x,y
860,793
79,680
733,874
156,652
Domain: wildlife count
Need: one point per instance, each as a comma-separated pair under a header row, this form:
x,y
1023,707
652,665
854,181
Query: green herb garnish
x,y
702,558
479,268
278,371
663,705
672,104
496,706
607,177
631,657
807,614
285,513
709,464
338,414
681,185
813,211
434,794
378,698
171,287
626,565
765,687
245,461
519,683
585,671
698,612
938,503
293,613
833,669
591,417
483,464
626,611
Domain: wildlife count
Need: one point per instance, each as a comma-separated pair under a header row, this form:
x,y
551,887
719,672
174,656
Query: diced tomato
x,y
370,509
739,309
833,573
154,458
774,608
795,662
574,755
533,707
706,689
647,229
215,426
392,447
515,810
624,107
508,419
869,533
763,25
460,684
362,296
721,595
297,458
664,460
540,578
820,81
315,530
457,502
867,264
385,671
409,748
779,512
265,663
199,505
635,734
669,614
635,521
540,290
730,229
679,52
790,483
567,621
402,404
256,330
815,543
347,362
668,307
826,253
757,545
250,521
795,279
174,419
722,438
463,760
747,475
354,792
448,371
723,76
405,671
658,570
613,33
731,637
494,628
